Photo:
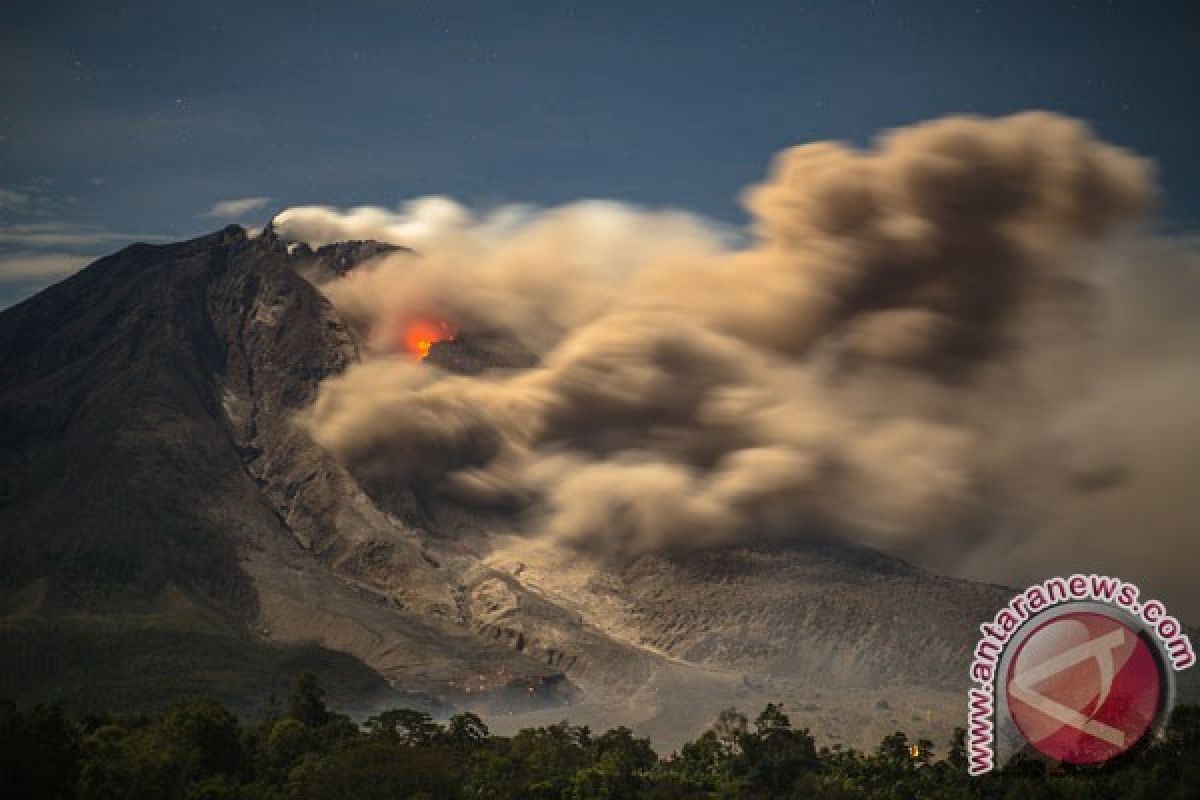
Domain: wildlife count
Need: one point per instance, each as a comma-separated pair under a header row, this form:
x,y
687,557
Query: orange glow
x,y
420,334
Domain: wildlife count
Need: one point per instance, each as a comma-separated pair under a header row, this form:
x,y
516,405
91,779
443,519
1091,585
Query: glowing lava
x,y
419,335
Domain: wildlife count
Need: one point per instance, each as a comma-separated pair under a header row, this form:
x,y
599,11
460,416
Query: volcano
x,y
168,528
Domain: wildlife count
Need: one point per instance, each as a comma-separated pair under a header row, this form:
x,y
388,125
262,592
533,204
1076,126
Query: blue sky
x,y
124,121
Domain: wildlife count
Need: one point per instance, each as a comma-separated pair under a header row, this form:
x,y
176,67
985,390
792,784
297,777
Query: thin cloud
x,y
34,255
59,234
23,267
228,209
11,200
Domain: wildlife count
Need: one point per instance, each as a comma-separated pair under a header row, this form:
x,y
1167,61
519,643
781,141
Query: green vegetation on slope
x,y
142,662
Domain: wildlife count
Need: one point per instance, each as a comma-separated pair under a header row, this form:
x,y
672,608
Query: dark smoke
x,y
897,355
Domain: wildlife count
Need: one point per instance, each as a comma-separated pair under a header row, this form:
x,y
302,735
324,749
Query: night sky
x,y
123,121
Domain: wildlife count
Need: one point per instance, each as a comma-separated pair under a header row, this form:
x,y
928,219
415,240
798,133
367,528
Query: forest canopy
x,y
198,750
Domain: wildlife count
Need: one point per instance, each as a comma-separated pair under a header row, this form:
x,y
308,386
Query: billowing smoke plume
x,y
881,359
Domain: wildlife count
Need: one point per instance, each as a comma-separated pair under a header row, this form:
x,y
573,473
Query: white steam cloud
x,y
413,225
231,209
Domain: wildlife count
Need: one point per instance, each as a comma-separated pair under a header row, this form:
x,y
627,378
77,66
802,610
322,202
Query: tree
x,y
39,752
405,725
545,759
957,757
465,730
729,729
306,702
169,755
196,750
776,755
1182,736
204,734
895,748
621,762
772,719
702,762
376,770
287,742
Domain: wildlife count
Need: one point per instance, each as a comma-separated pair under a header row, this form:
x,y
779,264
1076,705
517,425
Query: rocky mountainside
x,y
168,528
154,484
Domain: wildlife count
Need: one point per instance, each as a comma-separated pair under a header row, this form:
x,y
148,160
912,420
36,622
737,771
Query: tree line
x,y
198,750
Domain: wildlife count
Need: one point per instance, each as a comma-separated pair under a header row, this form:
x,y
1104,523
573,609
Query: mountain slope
x,y
143,403
168,527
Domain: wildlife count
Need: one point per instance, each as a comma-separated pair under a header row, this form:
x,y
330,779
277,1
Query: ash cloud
x,y
894,354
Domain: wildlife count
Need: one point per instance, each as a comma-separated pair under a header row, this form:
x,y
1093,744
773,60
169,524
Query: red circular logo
x,y
1084,687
